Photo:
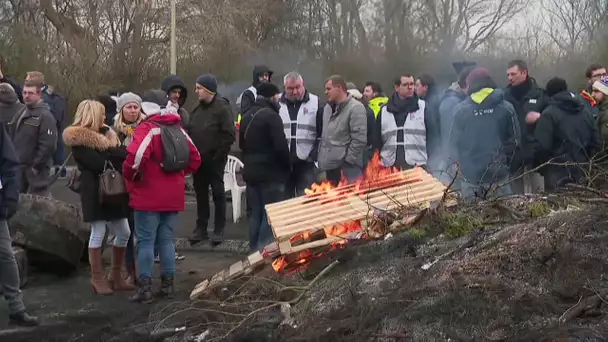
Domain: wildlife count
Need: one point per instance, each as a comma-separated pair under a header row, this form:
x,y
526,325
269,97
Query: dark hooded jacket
x,y
247,98
10,174
526,97
261,138
484,136
57,106
18,88
433,126
172,82
565,133
111,108
400,108
10,106
450,98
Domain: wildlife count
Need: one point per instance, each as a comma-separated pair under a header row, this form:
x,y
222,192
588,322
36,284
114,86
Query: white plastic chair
x,y
230,184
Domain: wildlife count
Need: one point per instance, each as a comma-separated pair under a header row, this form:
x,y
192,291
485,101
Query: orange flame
x,y
375,176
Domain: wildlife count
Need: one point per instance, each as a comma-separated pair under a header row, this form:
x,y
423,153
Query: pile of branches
x,y
253,307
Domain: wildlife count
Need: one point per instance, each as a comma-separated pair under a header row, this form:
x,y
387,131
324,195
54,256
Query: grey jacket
x,y
344,135
34,134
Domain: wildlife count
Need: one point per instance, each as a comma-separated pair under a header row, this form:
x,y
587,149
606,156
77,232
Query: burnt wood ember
x,y
301,239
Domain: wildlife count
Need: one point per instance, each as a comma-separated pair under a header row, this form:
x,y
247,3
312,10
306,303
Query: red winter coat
x,y
150,187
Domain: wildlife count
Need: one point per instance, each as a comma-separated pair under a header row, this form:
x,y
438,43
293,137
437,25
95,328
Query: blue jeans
x,y
155,226
259,195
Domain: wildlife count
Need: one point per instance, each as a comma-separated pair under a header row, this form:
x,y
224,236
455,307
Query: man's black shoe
x,y
23,319
217,239
197,238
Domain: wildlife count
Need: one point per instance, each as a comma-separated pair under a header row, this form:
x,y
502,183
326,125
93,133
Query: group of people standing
x,y
493,140
289,139
137,144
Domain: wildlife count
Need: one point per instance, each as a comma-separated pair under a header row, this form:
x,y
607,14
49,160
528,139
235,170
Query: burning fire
x,y
375,176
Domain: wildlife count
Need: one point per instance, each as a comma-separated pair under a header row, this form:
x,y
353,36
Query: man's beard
x,y
295,99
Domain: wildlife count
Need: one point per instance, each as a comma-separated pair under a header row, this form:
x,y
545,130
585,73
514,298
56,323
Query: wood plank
x,y
288,249
255,259
235,270
311,217
338,207
356,209
335,198
407,174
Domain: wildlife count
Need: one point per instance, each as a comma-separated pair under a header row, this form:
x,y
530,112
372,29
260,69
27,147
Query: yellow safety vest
x,y
376,104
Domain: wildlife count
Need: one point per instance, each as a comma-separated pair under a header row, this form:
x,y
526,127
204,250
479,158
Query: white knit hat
x,y
355,93
125,99
601,85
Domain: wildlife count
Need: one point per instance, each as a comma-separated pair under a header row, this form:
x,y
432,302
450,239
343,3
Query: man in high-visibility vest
x,y
246,100
372,94
302,114
401,133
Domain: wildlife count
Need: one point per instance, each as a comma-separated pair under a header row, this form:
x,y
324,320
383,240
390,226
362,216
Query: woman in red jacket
x,y
157,196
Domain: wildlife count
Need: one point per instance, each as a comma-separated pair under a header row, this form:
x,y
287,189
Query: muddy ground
x,y
71,312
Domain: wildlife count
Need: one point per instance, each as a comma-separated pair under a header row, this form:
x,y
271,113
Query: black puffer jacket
x,y
211,128
172,82
526,97
565,133
262,140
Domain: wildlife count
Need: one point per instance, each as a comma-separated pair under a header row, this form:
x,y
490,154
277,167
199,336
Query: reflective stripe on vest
x,y
306,126
376,104
238,99
414,137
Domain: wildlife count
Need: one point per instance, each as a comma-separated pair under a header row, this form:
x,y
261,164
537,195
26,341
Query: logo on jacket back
x,y
486,111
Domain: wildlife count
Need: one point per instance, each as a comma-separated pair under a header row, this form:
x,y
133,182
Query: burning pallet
x,y
333,215
328,217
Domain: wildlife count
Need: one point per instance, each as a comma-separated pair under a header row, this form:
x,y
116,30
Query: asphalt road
x,y
233,231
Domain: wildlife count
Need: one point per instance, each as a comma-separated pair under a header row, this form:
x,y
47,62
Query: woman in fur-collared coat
x,y
93,146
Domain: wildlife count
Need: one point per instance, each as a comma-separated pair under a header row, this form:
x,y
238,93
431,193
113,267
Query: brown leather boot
x,y
98,282
117,283
132,274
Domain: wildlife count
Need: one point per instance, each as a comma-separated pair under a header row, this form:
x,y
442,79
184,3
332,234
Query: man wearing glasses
x,y
401,127
594,73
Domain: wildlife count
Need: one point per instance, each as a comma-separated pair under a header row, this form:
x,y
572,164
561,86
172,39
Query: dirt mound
x,y
517,282
463,275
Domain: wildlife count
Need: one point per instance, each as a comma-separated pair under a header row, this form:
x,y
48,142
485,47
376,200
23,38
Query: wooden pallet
x,y
235,270
413,188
